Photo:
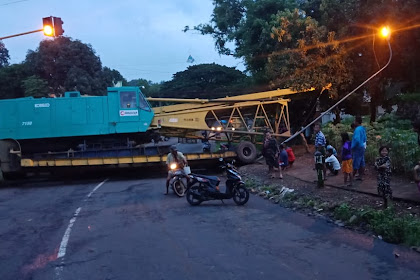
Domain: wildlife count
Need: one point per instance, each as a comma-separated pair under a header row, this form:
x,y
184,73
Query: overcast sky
x,y
139,38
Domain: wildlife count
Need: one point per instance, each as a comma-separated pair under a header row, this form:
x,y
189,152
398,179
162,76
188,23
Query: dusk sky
x,y
139,38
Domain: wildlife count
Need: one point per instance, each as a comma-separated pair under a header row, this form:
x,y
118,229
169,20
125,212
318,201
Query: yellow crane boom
x,y
249,114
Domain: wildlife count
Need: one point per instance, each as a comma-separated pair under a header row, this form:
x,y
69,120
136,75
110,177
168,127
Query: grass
x,y
400,229
393,228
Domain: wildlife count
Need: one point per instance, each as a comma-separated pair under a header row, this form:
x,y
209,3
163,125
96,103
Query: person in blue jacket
x,y
358,147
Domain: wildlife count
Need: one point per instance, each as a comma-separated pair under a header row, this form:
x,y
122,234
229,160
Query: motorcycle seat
x,y
213,180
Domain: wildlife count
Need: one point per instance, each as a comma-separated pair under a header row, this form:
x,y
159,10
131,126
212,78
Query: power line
x,y
5,4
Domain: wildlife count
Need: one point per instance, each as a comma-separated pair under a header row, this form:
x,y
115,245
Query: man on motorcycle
x,y
175,157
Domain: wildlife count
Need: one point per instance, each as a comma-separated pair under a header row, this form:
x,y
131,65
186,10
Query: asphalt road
x,y
127,229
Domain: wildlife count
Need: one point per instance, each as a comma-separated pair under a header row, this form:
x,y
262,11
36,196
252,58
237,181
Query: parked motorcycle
x,y
176,182
203,188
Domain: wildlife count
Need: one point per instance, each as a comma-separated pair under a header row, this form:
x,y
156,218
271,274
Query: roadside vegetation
x,y
390,225
389,130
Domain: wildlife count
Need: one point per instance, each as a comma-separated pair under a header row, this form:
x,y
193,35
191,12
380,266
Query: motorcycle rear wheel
x,y
191,199
240,195
179,188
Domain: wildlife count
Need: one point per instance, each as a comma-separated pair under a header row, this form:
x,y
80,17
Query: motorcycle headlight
x,y
173,166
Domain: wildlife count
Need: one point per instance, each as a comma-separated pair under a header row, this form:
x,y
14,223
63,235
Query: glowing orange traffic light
x,y
48,30
52,26
47,24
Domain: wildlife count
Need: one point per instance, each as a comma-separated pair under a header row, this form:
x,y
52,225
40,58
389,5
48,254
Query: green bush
x,y
343,212
392,228
391,131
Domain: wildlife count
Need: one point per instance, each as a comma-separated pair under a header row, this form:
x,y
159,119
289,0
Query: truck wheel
x,y
9,162
1,175
247,152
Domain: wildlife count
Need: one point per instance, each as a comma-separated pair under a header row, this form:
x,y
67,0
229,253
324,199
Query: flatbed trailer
x,y
108,130
119,161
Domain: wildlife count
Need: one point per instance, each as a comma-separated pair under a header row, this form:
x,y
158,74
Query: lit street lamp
x,y
385,32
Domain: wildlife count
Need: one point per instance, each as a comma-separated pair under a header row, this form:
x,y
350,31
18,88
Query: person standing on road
x,y
320,143
347,160
383,166
175,157
270,152
358,147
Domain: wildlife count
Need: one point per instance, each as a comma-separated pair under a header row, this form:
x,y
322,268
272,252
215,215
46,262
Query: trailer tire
x,y
247,152
1,175
9,162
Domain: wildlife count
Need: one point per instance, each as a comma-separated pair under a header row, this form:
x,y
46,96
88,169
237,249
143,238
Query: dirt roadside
x,y
299,177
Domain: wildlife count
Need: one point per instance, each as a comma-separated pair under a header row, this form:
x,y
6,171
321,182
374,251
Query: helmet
x,y
173,148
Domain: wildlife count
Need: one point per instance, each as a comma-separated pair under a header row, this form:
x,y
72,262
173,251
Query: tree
x,y
111,77
35,86
245,23
277,44
67,64
148,88
206,81
358,19
306,54
11,78
4,55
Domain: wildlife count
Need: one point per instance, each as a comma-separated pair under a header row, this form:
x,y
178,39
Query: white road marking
x,y
65,240
63,245
97,187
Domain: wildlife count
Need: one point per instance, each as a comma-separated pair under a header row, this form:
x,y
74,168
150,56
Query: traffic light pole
x,y
20,34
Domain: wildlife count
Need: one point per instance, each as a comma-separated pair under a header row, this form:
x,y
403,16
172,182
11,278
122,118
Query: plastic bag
x,y
187,170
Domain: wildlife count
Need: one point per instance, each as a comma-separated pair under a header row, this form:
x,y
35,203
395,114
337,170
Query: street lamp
x,y
385,32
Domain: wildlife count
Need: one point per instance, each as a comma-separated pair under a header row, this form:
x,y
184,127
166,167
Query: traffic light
x,y
58,26
48,26
52,26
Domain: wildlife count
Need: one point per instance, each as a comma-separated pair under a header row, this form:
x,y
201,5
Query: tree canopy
x,y
204,81
68,64
305,43
148,88
4,55
56,66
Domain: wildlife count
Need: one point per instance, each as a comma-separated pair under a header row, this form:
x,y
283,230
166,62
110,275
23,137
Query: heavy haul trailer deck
x,y
119,161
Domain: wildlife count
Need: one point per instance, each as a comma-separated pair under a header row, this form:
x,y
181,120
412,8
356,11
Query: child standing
x,y
270,152
347,160
283,158
383,166
290,156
